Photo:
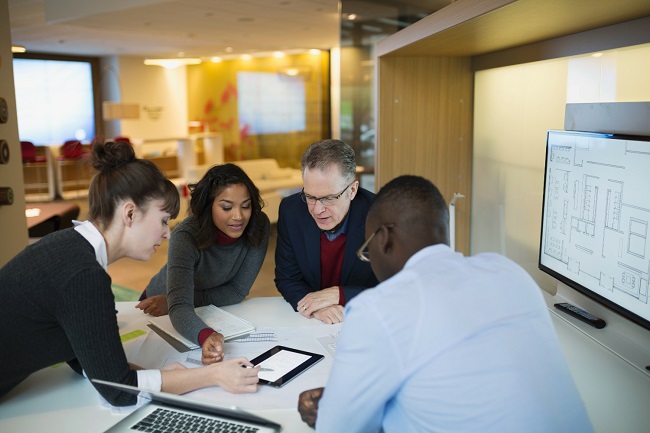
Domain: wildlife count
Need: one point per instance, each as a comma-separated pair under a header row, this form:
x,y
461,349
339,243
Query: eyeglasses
x,y
362,252
328,200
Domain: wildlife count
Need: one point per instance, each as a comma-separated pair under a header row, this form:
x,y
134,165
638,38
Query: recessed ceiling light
x,y
18,49
172,63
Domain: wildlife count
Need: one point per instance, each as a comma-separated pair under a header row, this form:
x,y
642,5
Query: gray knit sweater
x,y
220,275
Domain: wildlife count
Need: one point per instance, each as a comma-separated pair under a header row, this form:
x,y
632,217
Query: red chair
x,y
72,149
123,139
28,152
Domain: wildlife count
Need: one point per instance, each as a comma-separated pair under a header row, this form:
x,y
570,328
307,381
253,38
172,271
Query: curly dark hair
x,y
209,187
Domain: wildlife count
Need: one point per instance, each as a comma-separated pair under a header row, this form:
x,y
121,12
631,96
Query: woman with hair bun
x,y
56,303
214,255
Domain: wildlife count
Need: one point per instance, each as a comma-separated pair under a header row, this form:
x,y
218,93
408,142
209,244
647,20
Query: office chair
x,y
72,149
122,139
28,152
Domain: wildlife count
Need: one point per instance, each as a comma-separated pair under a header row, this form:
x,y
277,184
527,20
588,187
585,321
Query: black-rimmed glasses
x,y
328,200
362,252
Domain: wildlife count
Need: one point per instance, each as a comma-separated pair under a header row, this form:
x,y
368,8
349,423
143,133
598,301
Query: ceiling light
x,y
18,49
352,17
596,54
304,71
172,63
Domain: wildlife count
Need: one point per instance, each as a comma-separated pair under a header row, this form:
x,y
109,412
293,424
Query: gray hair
x,y
324,153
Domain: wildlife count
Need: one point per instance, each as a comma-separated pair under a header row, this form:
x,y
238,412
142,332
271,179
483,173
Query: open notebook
x,y
227,324
167,412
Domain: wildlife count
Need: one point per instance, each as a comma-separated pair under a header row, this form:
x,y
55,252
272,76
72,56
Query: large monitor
x,y
596,217
55,99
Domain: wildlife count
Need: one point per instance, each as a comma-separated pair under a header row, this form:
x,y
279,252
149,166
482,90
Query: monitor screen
x,y
271,103
595,218
55,100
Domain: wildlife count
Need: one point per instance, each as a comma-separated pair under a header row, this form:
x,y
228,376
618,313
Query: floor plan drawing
x,y
596,216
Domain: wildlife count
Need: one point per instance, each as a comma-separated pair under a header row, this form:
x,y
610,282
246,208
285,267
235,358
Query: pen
x,y
261,369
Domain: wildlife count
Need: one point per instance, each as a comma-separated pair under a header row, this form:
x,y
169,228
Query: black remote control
x,y
581,314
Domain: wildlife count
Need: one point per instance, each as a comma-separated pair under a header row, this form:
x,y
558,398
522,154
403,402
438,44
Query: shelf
x,y
625,339
73,177
168,164
38,180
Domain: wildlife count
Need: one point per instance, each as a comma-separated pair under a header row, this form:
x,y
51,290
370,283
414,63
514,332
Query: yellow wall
x,y
162,98
212,100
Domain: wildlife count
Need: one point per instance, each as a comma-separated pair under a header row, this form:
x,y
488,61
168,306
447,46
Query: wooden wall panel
x,y
425,127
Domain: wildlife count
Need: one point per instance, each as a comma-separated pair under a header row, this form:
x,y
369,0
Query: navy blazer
x,y
297,253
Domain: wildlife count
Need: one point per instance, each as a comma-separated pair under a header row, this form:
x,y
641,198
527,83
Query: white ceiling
x,y
165,28
205,28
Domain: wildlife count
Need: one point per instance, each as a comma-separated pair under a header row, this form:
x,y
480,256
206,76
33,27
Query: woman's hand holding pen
x,y
233,378
212,349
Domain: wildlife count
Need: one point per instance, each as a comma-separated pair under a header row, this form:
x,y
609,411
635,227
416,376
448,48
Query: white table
x,y
58,399
615,393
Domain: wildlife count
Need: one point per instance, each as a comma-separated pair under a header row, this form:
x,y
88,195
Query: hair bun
x,y
111,155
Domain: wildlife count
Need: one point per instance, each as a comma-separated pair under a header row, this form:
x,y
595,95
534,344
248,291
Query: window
x,y
55,100
271,103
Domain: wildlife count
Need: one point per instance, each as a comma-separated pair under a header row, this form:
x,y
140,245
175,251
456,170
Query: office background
x,y
511,109
514,91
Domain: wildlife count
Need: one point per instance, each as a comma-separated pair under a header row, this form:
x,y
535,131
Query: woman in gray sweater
x,y
214,255
56,303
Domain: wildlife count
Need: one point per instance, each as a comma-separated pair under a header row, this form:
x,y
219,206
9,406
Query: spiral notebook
x,y
227,324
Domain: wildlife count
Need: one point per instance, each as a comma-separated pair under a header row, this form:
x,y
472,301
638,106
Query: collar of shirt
x,y
95,238
223,239
427,252
337,231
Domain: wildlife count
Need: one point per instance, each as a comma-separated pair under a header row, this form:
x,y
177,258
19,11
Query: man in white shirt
x,y
445,343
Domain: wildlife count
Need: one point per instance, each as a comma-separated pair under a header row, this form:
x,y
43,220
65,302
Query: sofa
x,y
273,181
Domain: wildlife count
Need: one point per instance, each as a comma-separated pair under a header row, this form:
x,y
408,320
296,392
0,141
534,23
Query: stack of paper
x,y
225,323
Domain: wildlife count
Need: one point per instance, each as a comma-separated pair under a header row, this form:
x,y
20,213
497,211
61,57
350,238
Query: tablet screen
x,y
281,364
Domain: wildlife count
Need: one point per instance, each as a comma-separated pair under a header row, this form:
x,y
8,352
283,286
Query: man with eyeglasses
x,y
445,343
319,230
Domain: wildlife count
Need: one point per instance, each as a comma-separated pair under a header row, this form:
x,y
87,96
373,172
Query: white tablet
x,y
281,364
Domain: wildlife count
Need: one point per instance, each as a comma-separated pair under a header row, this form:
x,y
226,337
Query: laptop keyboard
x,y
163,420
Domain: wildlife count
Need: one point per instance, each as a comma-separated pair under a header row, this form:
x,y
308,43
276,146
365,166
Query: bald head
x,y
415,204
417,216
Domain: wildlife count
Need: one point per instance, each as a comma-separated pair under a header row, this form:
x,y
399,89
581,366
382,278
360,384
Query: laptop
x,y
170,412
